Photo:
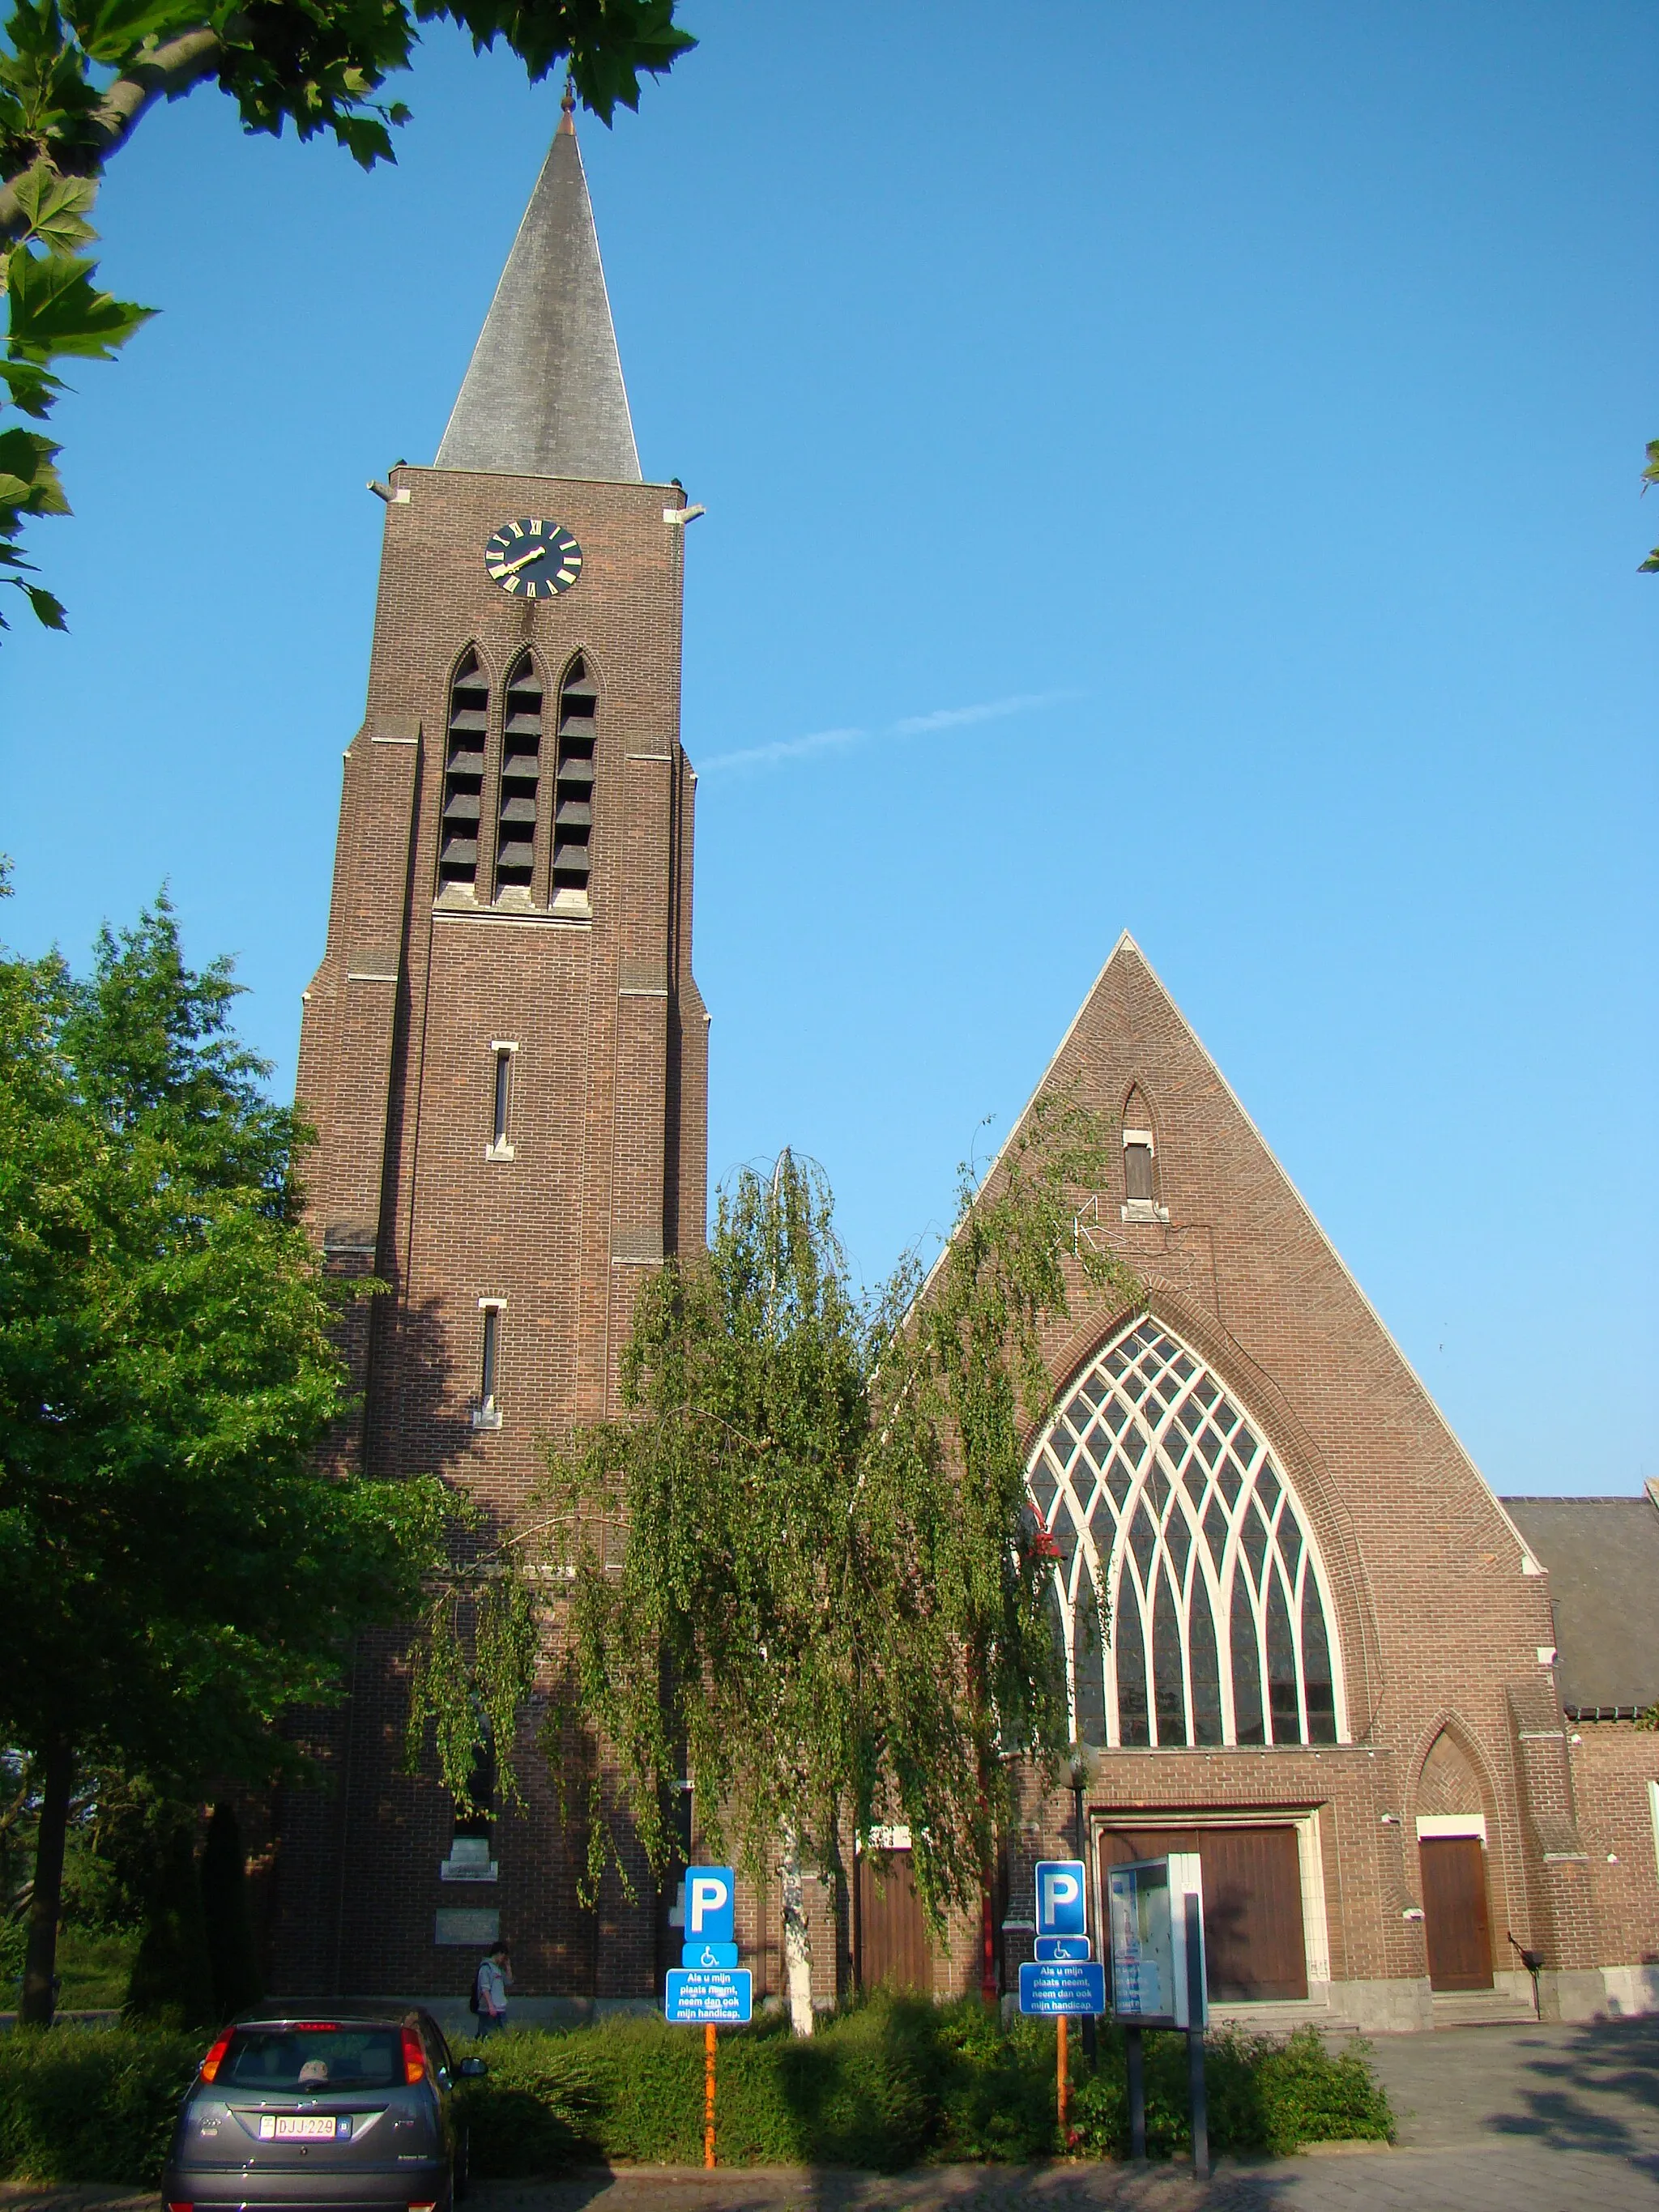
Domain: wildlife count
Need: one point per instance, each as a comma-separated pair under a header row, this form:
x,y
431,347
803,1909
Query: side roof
x,y
543,395
1603,1554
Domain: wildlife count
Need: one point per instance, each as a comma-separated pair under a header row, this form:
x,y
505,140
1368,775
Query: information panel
x,y
1146,1925
702,1996
1062,1986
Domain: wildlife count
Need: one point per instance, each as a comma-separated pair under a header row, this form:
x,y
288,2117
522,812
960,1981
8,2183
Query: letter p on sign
x,y
1060,1898
708,1897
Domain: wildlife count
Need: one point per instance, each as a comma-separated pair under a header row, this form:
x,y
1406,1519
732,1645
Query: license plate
x,y
298,2127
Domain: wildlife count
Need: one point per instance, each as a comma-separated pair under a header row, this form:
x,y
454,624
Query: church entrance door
x,y
892,1927
1253,1943
1455,1912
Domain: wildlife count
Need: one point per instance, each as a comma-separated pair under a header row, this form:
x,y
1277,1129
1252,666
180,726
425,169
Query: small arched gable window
x,y
520,783
1140,1161
1167,1513
464,768
572,818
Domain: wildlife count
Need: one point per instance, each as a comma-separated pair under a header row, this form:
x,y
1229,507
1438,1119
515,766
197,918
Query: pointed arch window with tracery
x,y
1188,1591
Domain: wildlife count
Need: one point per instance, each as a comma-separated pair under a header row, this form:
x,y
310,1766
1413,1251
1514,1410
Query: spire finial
x,y
568,105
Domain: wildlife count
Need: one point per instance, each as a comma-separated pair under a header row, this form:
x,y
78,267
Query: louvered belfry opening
x,y
464,768
573,822
521,774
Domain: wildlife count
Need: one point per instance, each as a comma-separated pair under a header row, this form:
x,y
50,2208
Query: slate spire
x,y
543,395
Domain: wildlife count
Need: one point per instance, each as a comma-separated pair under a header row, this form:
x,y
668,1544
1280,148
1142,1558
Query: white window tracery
x,y
1156,1494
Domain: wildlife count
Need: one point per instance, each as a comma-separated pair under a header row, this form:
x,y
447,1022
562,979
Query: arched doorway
x,y
1451,1845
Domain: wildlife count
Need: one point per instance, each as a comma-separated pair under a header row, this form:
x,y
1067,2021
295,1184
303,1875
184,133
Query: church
x,y
1399,1721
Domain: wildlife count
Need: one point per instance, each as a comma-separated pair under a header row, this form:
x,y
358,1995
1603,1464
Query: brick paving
x,y
1492,2119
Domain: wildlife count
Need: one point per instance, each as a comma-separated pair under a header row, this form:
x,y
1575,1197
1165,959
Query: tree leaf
x,y
48,610
28,480
30,387
114,31
56,309
57,207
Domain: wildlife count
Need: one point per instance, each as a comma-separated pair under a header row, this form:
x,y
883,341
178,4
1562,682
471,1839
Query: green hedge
x,y
881,2084
91,2104
885,2084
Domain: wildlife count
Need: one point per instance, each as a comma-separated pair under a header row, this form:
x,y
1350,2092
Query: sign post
x,y
1155,1920
708,1986
1062,1979
1197,2014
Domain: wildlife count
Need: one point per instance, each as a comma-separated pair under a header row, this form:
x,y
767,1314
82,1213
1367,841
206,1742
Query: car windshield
x,y
312,2058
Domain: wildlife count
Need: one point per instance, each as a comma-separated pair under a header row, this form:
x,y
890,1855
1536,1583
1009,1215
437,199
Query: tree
x,y
76,79
233,1957
1650,475
801,1568
174,1575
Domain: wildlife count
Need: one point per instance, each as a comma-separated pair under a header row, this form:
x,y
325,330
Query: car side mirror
x,y
473,2069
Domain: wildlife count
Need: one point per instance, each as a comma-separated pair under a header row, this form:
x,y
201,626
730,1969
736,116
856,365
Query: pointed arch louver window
x,y
1156,1490
464,768
573,817
520,781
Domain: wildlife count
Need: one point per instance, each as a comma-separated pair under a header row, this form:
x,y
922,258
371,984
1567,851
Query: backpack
x,y
472,2004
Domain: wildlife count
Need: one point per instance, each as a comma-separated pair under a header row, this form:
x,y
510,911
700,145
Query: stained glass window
x,y
1159,1493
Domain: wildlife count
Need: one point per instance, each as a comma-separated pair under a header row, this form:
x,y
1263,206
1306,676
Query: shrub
x,y
1264,2093
91,2104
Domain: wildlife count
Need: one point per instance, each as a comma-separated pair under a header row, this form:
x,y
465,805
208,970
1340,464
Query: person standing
x,y
494,1980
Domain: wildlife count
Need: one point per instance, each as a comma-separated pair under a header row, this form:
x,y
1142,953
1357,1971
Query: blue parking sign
x,y
710,1896
1060,1903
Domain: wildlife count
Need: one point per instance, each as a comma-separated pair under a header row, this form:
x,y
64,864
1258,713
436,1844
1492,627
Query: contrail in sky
x,y
911,726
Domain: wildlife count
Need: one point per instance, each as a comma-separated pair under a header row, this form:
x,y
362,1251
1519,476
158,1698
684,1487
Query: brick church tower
x,y
503,1050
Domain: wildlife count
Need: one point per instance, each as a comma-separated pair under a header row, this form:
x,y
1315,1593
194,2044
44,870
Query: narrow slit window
x,y
464,768
502,1104
573,815
1138,1170
520,784
486,1410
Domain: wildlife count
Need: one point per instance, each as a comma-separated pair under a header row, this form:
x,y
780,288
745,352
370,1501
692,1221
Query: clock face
x,y
533,560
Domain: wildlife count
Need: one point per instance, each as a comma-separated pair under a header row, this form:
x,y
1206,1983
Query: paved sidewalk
x,y
1492,2119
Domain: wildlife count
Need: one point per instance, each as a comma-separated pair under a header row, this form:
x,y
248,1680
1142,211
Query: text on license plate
x,y
303,2127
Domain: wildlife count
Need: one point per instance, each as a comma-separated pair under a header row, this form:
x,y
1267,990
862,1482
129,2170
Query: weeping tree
x,y
798,1569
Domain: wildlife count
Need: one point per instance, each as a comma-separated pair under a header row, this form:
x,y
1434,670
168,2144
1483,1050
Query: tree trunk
x,y
40,1958
797,1941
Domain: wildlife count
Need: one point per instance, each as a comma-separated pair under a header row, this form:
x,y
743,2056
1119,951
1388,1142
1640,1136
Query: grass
x,y
885,2084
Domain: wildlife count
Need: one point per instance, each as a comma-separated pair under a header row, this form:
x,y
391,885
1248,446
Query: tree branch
x,y
173,68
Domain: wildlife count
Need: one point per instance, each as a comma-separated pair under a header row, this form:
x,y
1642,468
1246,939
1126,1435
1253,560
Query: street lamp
x,y
1080,1763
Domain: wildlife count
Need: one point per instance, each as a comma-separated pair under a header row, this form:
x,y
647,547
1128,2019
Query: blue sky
x,y
1176,471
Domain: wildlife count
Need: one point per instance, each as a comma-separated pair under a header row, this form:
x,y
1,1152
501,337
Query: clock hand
x,y
512,567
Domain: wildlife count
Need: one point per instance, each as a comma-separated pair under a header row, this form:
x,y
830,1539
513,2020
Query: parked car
x,y
341,2108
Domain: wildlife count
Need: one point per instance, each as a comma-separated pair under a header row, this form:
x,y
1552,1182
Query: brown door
x,y
1253,1942
1455,1912
893,1929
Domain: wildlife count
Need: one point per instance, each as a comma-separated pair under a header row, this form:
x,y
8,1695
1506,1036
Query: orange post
x,y
1062,2085
709,2095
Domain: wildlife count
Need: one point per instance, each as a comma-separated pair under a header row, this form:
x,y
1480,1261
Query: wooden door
x,y
892,1927
1455,1912
1254,1949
